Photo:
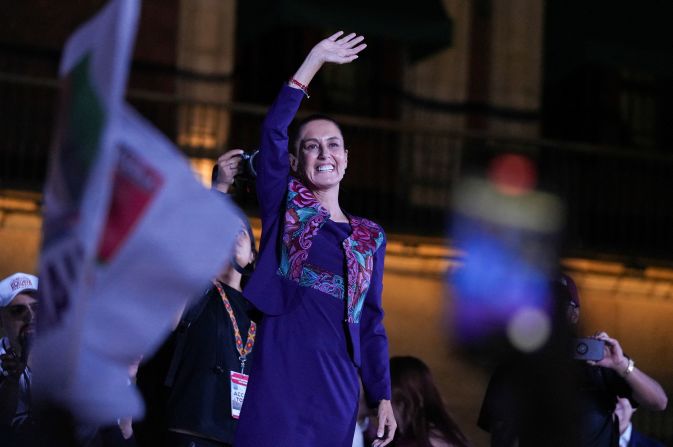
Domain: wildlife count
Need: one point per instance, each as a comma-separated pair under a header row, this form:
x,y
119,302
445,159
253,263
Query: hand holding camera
x,y
231,164
613,357
228,165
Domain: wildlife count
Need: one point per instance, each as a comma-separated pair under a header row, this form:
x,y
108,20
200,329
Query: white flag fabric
x,y
130,235
93,71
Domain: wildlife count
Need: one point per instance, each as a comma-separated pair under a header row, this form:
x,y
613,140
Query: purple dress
x,y
319,285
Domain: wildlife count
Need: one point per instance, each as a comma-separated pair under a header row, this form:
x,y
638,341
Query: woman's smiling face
x,y
321,158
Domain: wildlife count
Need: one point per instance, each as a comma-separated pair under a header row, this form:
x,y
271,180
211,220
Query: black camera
x,y
247,171
248,159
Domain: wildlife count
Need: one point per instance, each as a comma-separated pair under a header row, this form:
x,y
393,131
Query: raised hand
x,y
337,49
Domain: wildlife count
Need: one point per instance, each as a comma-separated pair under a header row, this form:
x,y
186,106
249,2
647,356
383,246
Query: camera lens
x,y
248,164
582,348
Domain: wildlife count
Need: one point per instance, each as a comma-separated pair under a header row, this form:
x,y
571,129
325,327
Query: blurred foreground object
x,y
129,233
509,233
504,311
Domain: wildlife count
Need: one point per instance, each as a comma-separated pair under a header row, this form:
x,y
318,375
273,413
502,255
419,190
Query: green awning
x,y
423,26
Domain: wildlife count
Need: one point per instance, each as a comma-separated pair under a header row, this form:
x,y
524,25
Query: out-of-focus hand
x,y
386,424
613,356
228,166
126,427
12,365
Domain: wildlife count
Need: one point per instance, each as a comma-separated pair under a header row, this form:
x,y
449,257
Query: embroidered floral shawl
x,y
304,216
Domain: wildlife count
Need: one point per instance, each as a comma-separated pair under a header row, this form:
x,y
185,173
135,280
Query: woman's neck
x,y
329,199
232,278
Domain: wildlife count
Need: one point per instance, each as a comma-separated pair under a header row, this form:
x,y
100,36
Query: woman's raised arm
x,y
273,165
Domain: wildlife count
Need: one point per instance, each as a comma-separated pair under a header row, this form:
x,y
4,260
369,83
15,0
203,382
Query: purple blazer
x,y
291,216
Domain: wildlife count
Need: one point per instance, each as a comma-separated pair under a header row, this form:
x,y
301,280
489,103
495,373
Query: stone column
x,y
441,77
206,43
516,65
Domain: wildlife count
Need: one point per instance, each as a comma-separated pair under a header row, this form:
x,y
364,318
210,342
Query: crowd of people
x,y
287,346
577,398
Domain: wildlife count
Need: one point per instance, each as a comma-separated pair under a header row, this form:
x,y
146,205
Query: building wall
x,y
205,47
490,79
443,76
20,227
516,66
495,59
637,310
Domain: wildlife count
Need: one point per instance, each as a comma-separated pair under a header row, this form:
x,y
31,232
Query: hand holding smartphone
x,y
588,349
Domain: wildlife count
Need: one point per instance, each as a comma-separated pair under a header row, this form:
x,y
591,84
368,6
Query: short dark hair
x,y
295,130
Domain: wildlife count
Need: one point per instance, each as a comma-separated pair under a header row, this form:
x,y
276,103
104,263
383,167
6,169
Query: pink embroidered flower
x,y
296,260
365,232
292,222
304,197
303,219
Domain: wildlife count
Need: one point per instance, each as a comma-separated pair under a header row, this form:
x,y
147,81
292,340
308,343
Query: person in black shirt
x,y
218,352
194,385
596,389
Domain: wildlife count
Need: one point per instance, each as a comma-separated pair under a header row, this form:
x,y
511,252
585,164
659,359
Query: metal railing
x,y
400,175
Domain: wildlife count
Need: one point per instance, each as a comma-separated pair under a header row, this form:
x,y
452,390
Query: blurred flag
x,y
509,232
129,233
93,71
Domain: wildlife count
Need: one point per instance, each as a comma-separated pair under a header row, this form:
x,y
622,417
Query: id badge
x,y
239,383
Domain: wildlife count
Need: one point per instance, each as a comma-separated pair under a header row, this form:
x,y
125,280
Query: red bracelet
x,y
301,86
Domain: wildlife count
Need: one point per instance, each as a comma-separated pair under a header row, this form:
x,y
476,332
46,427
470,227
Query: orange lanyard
x,y
243,350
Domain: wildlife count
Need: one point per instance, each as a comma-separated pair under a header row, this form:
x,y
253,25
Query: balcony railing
x,y
399,174
617,200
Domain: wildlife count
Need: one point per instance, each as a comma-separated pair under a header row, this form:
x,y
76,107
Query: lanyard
x,y
243,350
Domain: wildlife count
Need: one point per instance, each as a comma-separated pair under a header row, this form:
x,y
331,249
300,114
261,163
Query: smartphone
x,y
588,349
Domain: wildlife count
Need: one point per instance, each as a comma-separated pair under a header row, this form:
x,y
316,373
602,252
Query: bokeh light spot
x,y
529,329
512,174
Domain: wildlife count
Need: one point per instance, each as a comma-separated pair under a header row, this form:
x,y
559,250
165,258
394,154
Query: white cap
x,y
15,284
